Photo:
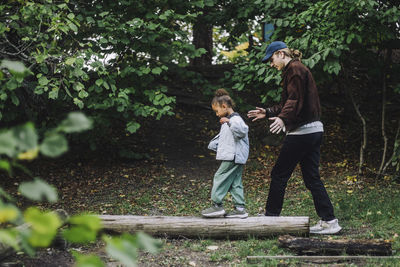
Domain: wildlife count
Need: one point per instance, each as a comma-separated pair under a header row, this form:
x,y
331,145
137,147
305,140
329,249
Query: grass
x,y
365,211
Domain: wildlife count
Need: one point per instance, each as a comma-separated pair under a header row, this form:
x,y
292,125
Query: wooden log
x,y
313,246
255,259
174,226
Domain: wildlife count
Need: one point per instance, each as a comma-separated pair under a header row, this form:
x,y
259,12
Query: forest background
x,y
143,72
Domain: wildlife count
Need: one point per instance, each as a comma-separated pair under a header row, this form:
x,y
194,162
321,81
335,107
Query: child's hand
x,y
223,120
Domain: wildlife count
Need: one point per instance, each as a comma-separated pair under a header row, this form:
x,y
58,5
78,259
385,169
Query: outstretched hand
x,y
258,113
277,126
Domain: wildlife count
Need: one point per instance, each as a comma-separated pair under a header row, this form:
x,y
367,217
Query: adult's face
x,y
276,61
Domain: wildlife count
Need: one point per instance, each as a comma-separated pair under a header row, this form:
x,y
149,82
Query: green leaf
x,y
43,80
156,70
15,67
83,94
79,234
84,229
5,165
10,237
26,137
38,190
75,122
8,213
53,94
44,226
123,249
78,86
148,243
105,84
83,260
73,27
54,145
79,103
99,82
91,222
12,84
146,70
71,16
132,126
14,99
8,144
70,61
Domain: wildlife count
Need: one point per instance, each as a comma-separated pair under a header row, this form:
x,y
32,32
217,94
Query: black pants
x,y
303,149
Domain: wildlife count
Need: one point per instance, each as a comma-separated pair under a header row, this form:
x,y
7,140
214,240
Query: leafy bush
x,y
33,228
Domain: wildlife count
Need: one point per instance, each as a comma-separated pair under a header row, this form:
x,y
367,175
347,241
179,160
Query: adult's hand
x,y
277,126
258,113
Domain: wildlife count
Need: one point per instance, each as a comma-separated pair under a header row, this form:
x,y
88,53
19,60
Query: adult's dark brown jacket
x,y
299,99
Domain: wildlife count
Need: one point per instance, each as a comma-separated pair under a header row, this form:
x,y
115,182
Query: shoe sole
x,y
240,216
322,232
214,214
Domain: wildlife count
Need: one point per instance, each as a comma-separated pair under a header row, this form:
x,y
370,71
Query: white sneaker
x,y
326,227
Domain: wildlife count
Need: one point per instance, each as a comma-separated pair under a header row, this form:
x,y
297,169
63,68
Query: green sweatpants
x,y
228,178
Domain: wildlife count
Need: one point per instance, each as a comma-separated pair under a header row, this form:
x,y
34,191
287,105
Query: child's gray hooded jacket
x,y
232,142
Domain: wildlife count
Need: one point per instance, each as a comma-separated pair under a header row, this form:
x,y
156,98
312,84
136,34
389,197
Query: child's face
x,y
220,110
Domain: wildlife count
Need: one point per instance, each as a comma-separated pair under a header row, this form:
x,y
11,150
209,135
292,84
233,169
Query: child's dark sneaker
x,y
237,213
213,211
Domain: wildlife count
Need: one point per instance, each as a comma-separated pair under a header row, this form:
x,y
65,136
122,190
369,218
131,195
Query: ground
x,y
174,177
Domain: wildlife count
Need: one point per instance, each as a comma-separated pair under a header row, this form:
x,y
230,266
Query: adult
x,y
298,114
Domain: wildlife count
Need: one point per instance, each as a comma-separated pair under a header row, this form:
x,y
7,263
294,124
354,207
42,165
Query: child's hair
x,y
293,53
222,97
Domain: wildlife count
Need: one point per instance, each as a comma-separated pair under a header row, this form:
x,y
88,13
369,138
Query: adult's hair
x,y
221,96
293,53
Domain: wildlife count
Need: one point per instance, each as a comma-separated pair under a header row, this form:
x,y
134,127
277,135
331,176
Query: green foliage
x,y
21,143
43,226
327,32
38,190
109,57
87,260
125,248
84,229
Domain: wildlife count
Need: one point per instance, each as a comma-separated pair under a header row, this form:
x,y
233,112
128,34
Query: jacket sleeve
x,y
274,110
213,145
292,106
238,127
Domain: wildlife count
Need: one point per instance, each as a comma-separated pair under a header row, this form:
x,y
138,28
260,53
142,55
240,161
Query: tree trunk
x,y
363,146
311,246
383,119
202,38
394,148
173,226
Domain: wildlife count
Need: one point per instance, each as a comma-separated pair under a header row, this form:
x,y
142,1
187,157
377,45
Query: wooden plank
x,y
185,226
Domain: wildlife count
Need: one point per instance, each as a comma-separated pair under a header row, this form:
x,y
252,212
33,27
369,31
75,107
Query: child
x,y
232,147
